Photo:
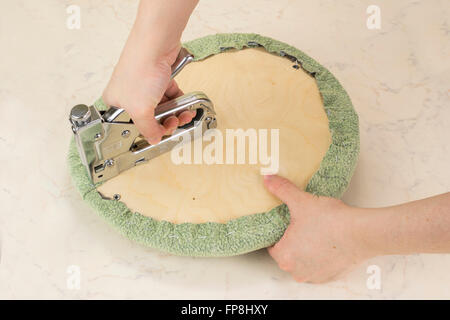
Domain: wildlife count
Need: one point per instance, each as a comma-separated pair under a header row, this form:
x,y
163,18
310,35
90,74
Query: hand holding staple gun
x,y
142,78
325,236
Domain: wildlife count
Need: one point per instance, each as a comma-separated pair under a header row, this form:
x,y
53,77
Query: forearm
x,y
421,226
142,77
163,20
158,27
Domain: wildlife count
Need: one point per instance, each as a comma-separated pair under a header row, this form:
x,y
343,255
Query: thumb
x,y
283,189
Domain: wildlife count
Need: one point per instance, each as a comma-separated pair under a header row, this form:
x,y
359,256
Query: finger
x,y
170,124
274,253
283,189
285,261
300,278
108,100
186,117
147,125
336,273
324,276
173,91
164,99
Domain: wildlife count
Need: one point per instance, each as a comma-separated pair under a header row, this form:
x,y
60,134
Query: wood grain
x,y
250,88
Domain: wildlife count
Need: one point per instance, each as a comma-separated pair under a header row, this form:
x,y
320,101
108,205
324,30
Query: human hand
x,y
141,78
139,83
324,237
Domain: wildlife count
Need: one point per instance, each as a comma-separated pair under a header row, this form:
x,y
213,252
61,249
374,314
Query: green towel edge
x,y
252,232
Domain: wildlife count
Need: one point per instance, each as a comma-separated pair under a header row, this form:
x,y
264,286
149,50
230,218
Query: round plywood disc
x,y
224,210
250,89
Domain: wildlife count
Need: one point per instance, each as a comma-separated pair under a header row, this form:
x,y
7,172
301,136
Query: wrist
x,y
147,47
372,232
145,51
157,26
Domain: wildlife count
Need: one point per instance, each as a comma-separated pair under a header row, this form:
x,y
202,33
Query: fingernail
x,y
268,177
153,141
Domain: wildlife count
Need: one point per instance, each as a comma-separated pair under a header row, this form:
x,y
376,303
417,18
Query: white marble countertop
x,y
398,78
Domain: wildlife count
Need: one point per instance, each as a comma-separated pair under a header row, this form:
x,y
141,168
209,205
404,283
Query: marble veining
x,y
398,78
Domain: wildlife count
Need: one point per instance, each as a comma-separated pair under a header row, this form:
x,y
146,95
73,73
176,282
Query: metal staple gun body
x,y
109,143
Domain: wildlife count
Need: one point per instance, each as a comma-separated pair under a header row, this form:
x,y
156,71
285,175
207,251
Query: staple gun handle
x,y
183,58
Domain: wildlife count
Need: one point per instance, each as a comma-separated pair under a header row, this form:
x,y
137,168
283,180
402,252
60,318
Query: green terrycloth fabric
x,y
255,231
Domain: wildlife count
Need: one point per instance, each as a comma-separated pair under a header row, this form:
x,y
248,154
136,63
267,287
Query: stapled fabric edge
x,y
252,232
